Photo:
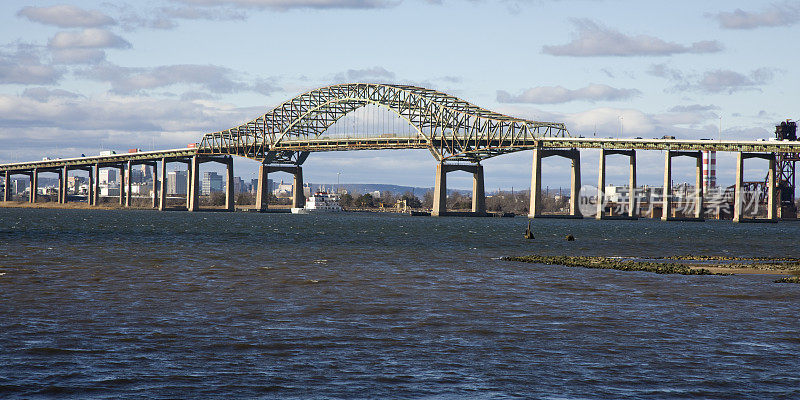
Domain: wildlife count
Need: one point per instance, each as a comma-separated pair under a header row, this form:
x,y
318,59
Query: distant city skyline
x,y
84,76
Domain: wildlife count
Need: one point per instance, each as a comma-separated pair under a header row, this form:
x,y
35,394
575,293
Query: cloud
x,y
131,18
727,81
78,56
42,94
66,16
713,82
91,38
560,94
593,39
781,14
365,75
24,66
694,108
212,78
295,4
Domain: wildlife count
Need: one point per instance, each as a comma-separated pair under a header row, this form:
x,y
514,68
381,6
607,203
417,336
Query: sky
x,y
78,77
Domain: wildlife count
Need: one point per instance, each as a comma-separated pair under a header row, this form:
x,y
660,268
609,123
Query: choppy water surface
x,y
146,304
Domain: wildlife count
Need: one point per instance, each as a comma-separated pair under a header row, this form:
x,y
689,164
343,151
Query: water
x,y
140,304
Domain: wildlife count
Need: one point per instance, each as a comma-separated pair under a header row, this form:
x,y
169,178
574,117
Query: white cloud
x,y
66,16
24,66
293,4
560,94
91,38
593,39
78,56
365,75
716,81
213,78
780,14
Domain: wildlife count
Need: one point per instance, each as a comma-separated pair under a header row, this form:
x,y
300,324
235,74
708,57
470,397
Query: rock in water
x,y
570,238
528,233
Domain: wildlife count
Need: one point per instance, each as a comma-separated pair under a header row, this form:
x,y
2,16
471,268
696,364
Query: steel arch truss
x,y
451,128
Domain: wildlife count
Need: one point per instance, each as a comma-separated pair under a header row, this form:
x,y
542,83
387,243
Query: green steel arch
x,y
451,128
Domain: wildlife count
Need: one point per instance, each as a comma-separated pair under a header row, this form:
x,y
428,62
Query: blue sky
x,y
78,76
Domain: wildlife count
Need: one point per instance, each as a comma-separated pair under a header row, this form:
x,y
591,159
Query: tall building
x,y
176,182
108,175
239,185
212,182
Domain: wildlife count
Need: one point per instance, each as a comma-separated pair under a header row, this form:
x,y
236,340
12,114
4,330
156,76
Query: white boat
x,y
320,202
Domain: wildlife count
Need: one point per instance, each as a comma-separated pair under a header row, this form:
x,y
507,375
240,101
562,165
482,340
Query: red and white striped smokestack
x,y
709,169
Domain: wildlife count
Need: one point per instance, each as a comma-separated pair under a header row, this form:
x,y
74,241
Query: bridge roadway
x,y
543,146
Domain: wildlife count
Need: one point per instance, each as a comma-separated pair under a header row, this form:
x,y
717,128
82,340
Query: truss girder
x,y
451,128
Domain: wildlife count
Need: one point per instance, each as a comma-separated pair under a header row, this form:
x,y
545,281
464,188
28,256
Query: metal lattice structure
x,y
451,128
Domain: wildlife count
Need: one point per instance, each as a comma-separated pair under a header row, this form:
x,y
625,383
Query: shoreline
x,y
778,267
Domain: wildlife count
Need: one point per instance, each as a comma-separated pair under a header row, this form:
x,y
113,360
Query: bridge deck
x,y
388,143
103,160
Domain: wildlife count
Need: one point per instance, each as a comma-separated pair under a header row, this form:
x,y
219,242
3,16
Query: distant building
x,y
212,182
239,186
176,182
108,175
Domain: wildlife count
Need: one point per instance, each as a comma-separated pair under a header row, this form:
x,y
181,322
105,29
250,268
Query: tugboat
x,y
319,202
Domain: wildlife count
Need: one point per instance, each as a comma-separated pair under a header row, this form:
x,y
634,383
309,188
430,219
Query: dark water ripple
x,y
104,304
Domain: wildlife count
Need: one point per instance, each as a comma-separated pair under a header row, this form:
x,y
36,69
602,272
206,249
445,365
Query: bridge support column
x,y
772,211
535,209
128,179
440,191
194,182
155,183
478,191
7,187
536,185
262,191
575,189
96,191
699,211
64,194
601,182
90,192
737,193
162,192
632,196
298,197
738,198
34,184
666,209
121,185
601,185
229,200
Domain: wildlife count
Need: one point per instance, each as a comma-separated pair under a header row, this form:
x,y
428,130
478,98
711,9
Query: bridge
x,y
458,134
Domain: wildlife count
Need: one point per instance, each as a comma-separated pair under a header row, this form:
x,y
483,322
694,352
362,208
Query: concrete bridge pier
x,y
738,212
34,184
193,194
601,183
62,192
535,210
95,193
262,192
162,192
128,180
229,200
154,165
440,189
666,210
121,169
7,187
193,190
